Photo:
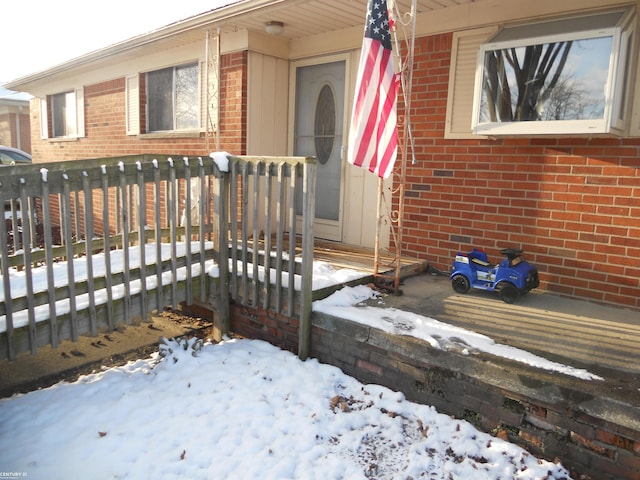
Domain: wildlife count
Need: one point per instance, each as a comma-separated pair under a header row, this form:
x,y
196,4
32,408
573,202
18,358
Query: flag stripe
x,y
373,138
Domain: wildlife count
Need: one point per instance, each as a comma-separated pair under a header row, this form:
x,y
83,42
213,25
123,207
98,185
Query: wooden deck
x,y
341,255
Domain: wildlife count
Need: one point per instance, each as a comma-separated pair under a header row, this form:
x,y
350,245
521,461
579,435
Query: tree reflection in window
x,y
172,96
325,124
564,80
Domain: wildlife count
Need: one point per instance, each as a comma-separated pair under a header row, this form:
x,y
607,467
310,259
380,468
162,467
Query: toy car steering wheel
x,y
511,253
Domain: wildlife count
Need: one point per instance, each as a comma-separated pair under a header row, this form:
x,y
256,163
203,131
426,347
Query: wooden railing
x,y
91,244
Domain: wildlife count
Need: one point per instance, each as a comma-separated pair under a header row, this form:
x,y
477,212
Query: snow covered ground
x,y
242,410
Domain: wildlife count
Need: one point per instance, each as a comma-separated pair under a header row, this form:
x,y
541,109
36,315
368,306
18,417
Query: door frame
x,y
327,229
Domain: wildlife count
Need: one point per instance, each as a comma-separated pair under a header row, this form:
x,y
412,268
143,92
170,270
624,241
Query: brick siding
x,y
573,204
105,131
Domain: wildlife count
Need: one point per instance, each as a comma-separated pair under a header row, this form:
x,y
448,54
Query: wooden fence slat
x,y
8,301
222,199
106,233
48,248
256,233
202,201
158,233
233,211
88,237
267,237
293,195
142,239
14,223
173,199
244,220
306,276
281,206
187,225
67,222
125,241
26,253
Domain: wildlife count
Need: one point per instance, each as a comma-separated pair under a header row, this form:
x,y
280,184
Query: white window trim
x,y
44,120
187,131
609,124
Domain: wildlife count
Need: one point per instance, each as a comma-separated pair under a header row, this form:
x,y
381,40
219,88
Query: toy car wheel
x,y
460,283
508,293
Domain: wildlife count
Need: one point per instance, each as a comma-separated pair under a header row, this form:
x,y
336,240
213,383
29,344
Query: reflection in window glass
x,y
172,98
187,97
63,114
160,99
565,80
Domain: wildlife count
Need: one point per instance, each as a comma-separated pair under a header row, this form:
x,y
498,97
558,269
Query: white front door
x,y
318,132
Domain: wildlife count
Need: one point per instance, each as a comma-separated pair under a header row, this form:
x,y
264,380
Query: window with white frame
x,y
62,115
64,122
567,76
173,100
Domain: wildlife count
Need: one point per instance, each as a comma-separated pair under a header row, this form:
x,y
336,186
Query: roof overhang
x,y
302,18
311,21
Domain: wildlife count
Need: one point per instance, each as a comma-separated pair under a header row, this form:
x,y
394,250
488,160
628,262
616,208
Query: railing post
x,y
6,285
306,288
221,238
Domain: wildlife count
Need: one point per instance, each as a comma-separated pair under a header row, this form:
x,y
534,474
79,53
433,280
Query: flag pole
x,y
407,137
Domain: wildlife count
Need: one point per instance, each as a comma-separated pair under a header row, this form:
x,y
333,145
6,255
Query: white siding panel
x,y
133,105
80,111
464,59
44,123
267,104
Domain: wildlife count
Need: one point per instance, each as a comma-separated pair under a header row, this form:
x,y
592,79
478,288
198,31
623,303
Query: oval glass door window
x,y
325,124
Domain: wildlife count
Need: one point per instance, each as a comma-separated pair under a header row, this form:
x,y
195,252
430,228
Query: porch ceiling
x,y
301,18
304,18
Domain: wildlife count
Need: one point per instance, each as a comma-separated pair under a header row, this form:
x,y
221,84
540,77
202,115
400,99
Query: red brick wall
x,y
258,323
105,131
573,204
233,111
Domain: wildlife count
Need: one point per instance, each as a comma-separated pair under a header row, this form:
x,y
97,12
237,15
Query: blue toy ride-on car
x,y
511,278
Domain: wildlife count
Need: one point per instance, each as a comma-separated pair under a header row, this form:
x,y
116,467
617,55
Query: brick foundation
x,y
550,415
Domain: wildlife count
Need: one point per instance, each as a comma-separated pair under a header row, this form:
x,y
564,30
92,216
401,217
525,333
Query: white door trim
x,y
325,228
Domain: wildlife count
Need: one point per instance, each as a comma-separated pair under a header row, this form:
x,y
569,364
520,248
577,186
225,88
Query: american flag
x,y
373,134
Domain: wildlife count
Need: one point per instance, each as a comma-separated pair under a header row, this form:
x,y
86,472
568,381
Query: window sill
x,y
63,139
168,134
545,128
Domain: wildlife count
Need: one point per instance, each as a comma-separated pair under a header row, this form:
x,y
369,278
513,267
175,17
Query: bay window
x,y
567,76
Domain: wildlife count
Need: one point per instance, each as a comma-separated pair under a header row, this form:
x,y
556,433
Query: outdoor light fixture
x,y
274,27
